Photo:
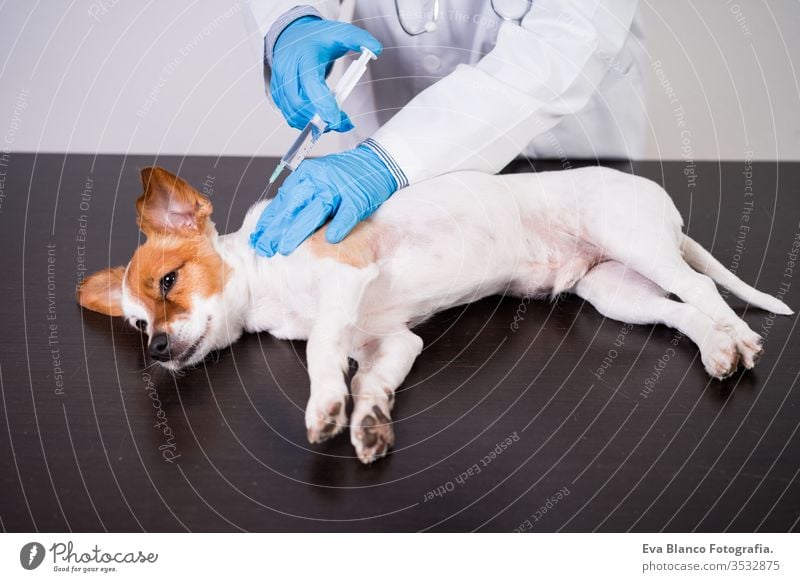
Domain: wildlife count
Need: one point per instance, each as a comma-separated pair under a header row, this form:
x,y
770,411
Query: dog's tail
x,y
704,262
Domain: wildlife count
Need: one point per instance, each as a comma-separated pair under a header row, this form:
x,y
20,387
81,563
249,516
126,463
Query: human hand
x,y
302,56
348,186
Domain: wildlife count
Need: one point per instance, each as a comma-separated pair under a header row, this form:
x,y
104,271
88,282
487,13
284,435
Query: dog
x,y
612,238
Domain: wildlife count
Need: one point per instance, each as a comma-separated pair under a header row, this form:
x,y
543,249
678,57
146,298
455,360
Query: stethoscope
x,y
509,10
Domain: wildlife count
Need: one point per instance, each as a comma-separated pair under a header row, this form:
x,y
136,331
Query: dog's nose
x,y
159,348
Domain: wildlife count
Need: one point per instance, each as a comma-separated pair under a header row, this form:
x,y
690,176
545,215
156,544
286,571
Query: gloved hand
x,y
349,185
301,57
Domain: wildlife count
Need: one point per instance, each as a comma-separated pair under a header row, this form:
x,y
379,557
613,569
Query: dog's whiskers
x,y
146,368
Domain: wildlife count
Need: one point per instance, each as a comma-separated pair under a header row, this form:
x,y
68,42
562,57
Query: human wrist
x,y
372,172
383,157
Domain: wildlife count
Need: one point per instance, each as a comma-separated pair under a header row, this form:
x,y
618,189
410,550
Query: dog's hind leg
x,y
383,363
329,342
620,293
672,273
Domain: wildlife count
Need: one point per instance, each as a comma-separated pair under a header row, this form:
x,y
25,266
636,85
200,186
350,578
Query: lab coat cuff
x,y
393,167
280,25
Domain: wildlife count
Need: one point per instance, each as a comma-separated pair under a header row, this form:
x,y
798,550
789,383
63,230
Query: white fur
x,y
612,238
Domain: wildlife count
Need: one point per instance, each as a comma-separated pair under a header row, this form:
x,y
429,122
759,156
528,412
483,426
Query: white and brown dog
x,y
611,238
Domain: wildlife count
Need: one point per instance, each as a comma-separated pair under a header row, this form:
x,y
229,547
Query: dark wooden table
x,y
610,428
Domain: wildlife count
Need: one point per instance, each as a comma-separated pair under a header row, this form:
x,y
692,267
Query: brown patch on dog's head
x,y
197,269
179,248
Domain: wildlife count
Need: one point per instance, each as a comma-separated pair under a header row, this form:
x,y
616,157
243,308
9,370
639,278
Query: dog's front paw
x,y
371,430
719,353
325,416
749,344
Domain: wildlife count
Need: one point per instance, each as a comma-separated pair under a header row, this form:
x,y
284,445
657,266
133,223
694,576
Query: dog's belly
x,y
410,295
444,247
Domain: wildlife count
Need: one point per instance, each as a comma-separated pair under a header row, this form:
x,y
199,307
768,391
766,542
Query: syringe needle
x,y
277,172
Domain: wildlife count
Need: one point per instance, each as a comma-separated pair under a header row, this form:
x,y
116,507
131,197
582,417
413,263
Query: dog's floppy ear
x,y
102,291
169,205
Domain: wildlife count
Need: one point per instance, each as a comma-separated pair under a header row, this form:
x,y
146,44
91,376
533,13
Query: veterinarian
x,y
458,85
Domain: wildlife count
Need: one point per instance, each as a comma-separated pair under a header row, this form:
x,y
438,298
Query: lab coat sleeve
x,y
480,117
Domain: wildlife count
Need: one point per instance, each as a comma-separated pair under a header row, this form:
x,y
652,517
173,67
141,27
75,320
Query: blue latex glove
x,y
301,57
349,186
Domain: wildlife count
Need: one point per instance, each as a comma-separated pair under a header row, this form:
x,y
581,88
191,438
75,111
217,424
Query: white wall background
x,y
182,77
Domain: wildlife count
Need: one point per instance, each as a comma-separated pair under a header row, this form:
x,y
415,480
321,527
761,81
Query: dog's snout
x,y
159,347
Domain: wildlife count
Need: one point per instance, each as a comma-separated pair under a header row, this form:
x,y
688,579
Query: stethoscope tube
x,y
516,19
431,25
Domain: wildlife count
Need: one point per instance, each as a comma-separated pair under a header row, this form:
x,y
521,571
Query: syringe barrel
x,y
304,142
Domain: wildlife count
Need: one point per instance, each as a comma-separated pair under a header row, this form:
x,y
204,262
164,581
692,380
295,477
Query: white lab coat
x,y
478,92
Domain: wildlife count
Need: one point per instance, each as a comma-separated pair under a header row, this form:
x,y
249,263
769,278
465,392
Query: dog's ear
x,y
102,291
170,206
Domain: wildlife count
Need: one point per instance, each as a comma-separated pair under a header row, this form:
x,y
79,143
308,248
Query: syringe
x,y
316,126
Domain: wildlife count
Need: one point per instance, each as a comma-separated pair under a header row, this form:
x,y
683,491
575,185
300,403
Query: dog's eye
x,y
140,324
168,281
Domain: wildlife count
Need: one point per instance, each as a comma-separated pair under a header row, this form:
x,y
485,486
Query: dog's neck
x,y
251,295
